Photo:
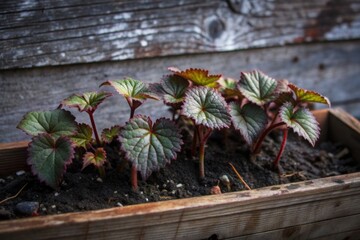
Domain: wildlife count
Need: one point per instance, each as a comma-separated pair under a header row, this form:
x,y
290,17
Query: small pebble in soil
x,y
56,194
226,181
115,192
2,180
53,206
119,204
99,180
146,199
215,190
19,173
179,185
27,208
10,177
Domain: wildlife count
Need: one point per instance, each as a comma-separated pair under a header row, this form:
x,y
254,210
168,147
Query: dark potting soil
x,y
81,191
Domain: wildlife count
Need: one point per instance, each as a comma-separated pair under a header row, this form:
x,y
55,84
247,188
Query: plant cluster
x,y
254,105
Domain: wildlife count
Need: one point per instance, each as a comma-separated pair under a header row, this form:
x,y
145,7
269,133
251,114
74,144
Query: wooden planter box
x,y
327,208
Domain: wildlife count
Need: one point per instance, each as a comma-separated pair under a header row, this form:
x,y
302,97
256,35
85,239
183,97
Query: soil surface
x,y
82,191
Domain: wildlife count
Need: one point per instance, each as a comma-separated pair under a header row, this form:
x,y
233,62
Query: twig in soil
x,y
342,153
300,174
12,197
239,176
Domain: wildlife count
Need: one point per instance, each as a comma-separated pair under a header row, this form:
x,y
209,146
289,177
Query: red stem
x,y
102,173
264,134
132,112
203,133
134,179
201,159
94,128
282,147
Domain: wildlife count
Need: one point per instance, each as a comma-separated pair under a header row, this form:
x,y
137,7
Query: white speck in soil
x,y
2,180
56,194
119,204
115,192
10,177
99,180
19,173
179,185
146,199
53,206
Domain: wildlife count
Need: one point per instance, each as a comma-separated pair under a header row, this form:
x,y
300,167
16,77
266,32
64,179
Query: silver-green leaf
x,y
250,120
206,107
258,87
302,121
150,146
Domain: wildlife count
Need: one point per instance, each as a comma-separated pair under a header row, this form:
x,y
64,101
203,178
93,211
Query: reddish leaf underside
x,y
98,158
304,95
198,77
87,102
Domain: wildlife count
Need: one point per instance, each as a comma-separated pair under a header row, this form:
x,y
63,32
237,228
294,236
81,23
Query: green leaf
x,y
250,120
228,88
207,107
131,88
108,135
304,95
258,87
150,147
87,102
199,77
97,159
172,88
49,157
56,123
302,121
83,137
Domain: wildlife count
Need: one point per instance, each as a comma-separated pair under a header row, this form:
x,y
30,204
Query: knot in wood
x,y
215,28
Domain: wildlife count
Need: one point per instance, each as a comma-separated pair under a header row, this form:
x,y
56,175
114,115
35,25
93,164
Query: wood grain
x,y
43,33
226,215
331,69
13,157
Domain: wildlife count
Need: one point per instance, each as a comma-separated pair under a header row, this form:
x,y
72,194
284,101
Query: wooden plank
x,y
327,229
44,88
12,157
345,129
351,235
43,33
227,215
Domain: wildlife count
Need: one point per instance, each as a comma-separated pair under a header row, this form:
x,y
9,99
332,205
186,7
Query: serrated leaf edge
x,y
33,171
221,98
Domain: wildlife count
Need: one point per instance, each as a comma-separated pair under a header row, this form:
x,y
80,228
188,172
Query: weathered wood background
x,y
51,49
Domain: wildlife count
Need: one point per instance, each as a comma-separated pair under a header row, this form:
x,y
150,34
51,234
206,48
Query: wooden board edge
x,y
345,128
295,193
